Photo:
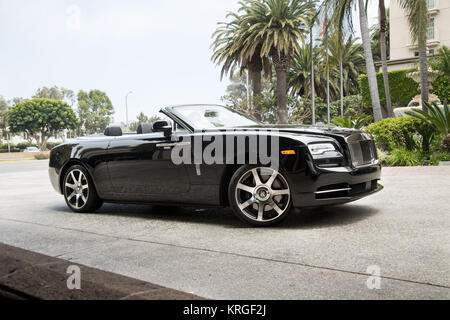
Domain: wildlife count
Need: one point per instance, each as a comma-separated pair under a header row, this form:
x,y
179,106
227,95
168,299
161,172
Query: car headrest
x,y
113,131
144,128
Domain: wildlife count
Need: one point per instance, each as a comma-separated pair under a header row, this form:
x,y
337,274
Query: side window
x,y
179,128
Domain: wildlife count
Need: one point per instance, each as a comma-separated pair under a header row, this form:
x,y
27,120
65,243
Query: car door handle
x,y
171,145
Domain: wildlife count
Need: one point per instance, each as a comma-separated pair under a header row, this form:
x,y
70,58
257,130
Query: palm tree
x,y
439,119
375,38
417,13
342,14
351,54
442,61
299,75
383,26
277,26
231,53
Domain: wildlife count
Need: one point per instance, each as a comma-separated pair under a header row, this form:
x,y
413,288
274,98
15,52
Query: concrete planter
x,y
444,163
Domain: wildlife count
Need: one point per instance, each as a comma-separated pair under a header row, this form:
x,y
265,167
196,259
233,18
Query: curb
x,y
29,275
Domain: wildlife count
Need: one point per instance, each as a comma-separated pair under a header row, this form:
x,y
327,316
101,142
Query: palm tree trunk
x,y
390,111
341,74
255,68
423,71
371,74
281,63
313,98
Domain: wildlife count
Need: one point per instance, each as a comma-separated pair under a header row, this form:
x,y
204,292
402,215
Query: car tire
x,y
260,195
79,190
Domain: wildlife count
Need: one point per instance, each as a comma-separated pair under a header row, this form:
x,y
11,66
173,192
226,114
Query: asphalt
x,y
314,254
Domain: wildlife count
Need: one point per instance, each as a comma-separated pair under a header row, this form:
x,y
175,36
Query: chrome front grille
x,y
363,150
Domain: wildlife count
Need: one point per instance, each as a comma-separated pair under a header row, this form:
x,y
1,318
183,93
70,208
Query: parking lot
x,y
314,254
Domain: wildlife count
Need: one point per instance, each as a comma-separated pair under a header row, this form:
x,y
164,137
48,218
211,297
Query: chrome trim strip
x,y
333,190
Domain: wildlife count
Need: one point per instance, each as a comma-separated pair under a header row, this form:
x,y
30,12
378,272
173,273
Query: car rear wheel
x,y
260,195
79,191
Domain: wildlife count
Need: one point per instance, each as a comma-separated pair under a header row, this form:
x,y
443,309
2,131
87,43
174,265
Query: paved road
x,y
314,254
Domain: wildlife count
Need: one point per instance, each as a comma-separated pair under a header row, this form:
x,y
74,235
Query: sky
x,y
158,49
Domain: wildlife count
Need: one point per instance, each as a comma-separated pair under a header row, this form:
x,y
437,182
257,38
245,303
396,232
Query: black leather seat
x,y
144,128
113,131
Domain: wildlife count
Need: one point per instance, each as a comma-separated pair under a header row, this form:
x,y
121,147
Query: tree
x,y
347,50
235,98
55,93
299,76
142,118
4,106
342,18
94,110
417,13
351,54
375,38
231,52
383,27
278,26
41,118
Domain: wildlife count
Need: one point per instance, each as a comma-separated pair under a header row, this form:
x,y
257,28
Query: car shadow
x,y
311,218
326,217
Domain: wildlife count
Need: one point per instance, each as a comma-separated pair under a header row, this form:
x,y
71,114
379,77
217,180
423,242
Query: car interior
x,y
143,128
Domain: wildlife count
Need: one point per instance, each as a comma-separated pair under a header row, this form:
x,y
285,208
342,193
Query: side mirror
x,y
162,126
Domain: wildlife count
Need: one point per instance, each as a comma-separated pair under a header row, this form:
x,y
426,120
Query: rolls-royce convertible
x,y
209,155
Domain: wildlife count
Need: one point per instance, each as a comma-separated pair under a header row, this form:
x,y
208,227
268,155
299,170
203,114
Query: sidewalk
x,y
29,275
19,155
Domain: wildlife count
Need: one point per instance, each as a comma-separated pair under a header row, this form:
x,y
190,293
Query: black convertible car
x,y
208,155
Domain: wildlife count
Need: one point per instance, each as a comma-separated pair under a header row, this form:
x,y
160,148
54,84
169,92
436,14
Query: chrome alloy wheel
x,y
76,189
263,194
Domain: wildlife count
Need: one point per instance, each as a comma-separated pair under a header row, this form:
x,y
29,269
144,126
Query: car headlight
x,y
321,148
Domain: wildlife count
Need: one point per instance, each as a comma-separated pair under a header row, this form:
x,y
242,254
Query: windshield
x,y
210,117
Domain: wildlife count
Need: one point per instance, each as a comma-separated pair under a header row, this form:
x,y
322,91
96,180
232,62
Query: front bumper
x,y
320,186
54,179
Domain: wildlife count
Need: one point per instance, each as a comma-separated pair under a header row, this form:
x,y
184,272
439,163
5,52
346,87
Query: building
x,y
404,53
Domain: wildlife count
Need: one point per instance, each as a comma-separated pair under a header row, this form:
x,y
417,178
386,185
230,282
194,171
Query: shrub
x,y
437,157
396,132
357,122
438,119
5,146
382,157
23,145
401,157
42,156
441,87
402,88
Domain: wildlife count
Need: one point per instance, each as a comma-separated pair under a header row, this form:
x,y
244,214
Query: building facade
x,y
404,53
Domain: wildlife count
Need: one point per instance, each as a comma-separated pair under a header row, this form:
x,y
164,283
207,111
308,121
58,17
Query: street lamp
x,y
126,107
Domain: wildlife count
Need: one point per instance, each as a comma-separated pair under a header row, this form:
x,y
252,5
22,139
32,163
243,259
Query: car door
x,y
141,169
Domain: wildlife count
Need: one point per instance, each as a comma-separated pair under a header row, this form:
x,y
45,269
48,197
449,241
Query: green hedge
x,y
395,132
403,89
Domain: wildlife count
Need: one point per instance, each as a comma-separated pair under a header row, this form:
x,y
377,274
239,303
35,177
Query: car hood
x,y
296,129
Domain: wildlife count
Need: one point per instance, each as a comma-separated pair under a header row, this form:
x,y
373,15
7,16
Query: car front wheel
x,y
260,195
79,190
